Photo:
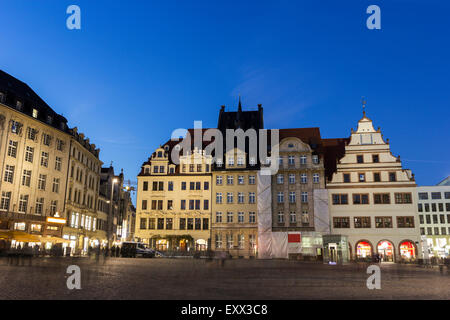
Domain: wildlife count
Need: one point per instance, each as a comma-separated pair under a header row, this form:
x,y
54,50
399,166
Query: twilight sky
x,y
139,69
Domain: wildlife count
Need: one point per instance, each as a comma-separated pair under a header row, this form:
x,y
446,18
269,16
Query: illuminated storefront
x,y
363,250
407,250
386,251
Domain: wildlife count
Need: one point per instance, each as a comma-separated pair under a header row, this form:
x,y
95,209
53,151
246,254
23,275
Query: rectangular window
x,y
182,223
392,177
55,187
280,179
191,204
183,185
405,222
251,197
9,173
304,197
144,205
280,197
315,178
362,222
252,217
205,223
12,148
346,177
292,178
218,217
362,177
360,159
143,223
360,198
5,201
423,195
160,223
251,179
240,179
340,198
183,205
240,197
229,180
197,204
151,223
436,195
198,186
376,177
218,180
169,204
58,163
403,198
154,204
381,198
229,217
219,197
145,186
191,185
341,222
42,181
240,217
169,223
190,224
292,197
205,204
23,203
383,222
375,158
229,197
26,178
206,185
44,159
29,154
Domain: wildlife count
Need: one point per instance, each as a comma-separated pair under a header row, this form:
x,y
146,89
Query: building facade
x,y
373,199
433,209
82,195
34,157
174,201
235,228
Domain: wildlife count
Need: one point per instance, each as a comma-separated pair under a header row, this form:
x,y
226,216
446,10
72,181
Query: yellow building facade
x,y
234,227
174,202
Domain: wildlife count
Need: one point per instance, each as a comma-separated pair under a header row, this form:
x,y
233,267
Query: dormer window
x,y
19,105
315,159
2,97
290,145
359,159
35,113
160,154
252,161
49,119
219,162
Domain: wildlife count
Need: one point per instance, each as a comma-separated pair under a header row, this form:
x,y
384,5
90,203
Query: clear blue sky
x,y
139,69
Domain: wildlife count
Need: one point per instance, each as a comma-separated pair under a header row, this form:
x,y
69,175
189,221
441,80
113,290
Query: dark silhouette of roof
x,y
20,96
334,149
240,119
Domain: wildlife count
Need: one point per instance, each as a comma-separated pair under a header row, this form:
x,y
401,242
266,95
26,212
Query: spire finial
x,y
363,101
239,105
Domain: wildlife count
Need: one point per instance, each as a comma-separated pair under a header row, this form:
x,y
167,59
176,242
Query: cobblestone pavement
x,y
121,278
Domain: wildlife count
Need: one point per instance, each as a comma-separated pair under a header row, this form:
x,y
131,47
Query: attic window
x,y
49,119
19,105
166,148
290,145
159,154
2,97
35,113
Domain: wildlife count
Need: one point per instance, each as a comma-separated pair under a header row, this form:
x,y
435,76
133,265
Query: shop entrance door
x,y
386,251
332,251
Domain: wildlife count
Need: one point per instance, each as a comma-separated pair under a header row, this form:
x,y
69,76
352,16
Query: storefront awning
x,y
19,236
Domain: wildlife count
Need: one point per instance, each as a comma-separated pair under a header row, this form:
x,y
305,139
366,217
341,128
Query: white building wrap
x,y
264,216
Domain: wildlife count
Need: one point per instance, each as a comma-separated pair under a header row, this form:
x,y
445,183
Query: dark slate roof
x,y
16,90
334,149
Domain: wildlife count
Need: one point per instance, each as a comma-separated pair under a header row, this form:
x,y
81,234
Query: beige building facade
x,y
174,202
235,228
82,195
34,156
372,199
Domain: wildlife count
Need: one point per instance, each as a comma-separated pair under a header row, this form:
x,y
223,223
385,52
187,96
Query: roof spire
x,y
363,101
239,105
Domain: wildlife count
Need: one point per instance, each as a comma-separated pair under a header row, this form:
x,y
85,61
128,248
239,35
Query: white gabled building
x,y
372,199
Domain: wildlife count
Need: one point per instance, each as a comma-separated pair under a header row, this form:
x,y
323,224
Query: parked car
x,y
136,249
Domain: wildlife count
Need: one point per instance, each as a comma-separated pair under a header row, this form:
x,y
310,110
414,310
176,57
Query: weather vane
x,y
363,101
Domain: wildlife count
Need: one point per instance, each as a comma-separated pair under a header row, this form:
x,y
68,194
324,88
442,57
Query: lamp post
x,y
110,220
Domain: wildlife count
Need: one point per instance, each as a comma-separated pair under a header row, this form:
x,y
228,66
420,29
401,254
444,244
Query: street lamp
x,y
115,180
